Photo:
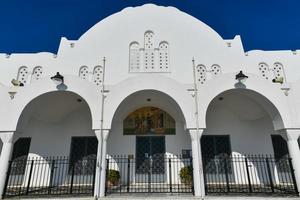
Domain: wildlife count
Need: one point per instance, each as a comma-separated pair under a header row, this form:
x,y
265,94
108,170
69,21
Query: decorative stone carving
x,y
36,73
98,75
203,74
271,73
149,58
23,74
84,72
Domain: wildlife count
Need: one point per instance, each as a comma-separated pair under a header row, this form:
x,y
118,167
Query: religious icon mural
x,y
148,120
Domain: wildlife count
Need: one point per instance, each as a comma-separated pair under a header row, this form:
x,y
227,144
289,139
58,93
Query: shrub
x,y
113,176
186,175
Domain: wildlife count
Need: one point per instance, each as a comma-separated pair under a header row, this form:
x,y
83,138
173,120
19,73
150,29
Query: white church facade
x,y
150,100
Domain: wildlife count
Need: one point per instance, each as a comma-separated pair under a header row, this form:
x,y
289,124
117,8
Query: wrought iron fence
x,y
156,174
50,176
249,174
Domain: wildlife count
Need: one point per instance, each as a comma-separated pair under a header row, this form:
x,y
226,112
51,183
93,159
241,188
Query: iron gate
x,y
156,174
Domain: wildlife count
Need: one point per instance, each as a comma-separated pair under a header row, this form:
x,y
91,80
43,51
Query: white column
x,y
98,164
103,163
294,151
197,163
7,140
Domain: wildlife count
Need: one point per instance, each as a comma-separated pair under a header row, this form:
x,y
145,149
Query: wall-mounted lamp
x,y
240,76
278,80
59,79
17,82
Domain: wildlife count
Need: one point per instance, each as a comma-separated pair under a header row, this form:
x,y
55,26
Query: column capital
x,y
102,134
290,134
7,137
195,134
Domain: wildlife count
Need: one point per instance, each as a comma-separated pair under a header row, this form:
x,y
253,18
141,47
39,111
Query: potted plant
x,y
113,177
186,175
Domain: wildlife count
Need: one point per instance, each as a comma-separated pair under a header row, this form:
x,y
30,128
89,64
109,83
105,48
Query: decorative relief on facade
x,y
264,70
23,74
135,57
98,75
84,72
149,58
203,74
276,72
36,73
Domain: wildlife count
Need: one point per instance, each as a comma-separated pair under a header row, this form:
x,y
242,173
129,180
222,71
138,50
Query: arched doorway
x,y
241,148
148,146
55,148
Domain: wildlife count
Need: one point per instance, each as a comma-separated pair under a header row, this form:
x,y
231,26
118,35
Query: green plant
x,y
113,176
186,175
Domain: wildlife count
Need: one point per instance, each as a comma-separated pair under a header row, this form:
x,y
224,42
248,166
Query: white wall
x,y
244,120
52,120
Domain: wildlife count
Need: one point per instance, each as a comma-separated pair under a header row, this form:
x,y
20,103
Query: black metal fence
x,y
155,174
249,174
50,176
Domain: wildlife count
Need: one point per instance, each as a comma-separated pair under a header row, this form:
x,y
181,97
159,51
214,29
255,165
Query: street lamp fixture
x,y
240,76
58,78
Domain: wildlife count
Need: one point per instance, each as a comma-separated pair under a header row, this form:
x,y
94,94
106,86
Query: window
x,y
83,155
281,153
215,150
19,156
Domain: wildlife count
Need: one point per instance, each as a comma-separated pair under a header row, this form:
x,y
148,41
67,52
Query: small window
x,y
83,155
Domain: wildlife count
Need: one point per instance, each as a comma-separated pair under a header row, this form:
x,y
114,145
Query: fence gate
x,y
158,173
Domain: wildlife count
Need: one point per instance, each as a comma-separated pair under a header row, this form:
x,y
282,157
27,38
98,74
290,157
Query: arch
x,y
154,82
266,94
55,114
88,91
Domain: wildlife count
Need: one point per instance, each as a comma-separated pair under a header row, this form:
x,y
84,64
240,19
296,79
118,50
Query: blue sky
x,y
38,25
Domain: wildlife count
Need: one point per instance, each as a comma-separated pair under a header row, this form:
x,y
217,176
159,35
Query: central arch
x,y
148,145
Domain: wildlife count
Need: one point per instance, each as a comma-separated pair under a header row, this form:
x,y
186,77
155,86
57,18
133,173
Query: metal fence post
x,y
170,175
72,177
106,174
248,175
226,174
94,173
128,174
293,175
7,179
51,176
270,175
29,178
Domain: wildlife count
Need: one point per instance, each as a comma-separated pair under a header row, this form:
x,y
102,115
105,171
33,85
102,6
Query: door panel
x,y
150,154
